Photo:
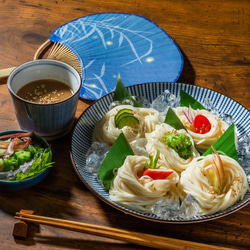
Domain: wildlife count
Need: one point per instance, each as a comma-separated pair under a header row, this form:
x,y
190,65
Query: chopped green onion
x,y
180,143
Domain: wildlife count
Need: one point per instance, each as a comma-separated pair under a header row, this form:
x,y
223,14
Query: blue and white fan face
x,y
82,139
111,43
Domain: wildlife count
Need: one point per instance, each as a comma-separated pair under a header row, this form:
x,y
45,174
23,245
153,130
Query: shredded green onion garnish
x,y
153,161
180,143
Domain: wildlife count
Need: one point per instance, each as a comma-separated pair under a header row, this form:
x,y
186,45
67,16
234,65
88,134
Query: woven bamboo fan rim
x,y
57,51
42,49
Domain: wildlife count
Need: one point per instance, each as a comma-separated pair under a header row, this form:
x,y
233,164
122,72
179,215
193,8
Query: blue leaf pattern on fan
x,y
111,43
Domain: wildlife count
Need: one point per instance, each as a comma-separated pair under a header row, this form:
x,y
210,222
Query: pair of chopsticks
x,y
118,234
6,72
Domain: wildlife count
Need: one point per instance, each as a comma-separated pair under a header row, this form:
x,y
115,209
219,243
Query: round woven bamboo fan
x,y
58,52
101,46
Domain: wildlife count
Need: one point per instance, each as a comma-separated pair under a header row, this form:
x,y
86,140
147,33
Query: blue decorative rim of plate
x,y
17,185
107,44
82,136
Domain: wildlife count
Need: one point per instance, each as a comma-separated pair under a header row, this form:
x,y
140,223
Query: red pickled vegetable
x,y
157,174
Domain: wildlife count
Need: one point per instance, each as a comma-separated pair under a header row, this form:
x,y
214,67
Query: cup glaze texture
x,y
50,121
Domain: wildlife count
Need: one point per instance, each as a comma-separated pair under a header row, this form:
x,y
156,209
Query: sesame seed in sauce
x,y
45,91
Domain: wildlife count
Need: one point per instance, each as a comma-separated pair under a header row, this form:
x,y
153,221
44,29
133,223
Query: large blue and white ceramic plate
x,y
107,44
82,138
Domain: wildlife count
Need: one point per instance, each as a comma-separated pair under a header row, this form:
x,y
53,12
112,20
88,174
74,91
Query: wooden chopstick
x,y
148,240
6,72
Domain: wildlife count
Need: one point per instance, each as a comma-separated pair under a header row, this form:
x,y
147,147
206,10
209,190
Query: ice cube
x,y
189,207
171,100
114,104
243,150
166,209
140,151
93,162
226,118
100,148
215,111
164,101
142,100
208,104
139,146
127,102
210,107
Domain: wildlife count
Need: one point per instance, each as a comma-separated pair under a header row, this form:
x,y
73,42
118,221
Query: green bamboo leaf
x,y
173,120
225,144
114,160
187,100
121,93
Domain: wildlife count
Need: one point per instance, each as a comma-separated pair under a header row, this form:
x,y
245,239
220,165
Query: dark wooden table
x,y
214,39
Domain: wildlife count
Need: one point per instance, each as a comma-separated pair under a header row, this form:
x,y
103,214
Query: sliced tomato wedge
x,y
157,174
202,124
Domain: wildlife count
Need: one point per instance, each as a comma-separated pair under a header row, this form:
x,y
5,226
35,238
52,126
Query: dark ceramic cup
x,y
51,121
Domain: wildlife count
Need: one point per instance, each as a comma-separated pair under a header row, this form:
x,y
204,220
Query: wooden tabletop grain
x,y
214,39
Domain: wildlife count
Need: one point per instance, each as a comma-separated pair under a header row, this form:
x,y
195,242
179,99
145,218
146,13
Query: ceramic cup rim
x,y
41,62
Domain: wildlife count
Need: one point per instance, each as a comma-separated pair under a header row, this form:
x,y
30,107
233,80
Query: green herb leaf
x,y
173,120
225,144
40,164
114,160
121,93
187,100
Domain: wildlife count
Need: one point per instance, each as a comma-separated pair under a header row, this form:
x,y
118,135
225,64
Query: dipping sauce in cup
x,y
45,91
48,108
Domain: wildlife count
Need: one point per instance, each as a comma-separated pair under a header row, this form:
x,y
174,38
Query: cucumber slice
x,y
125,117
121,111
128,120
121,117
